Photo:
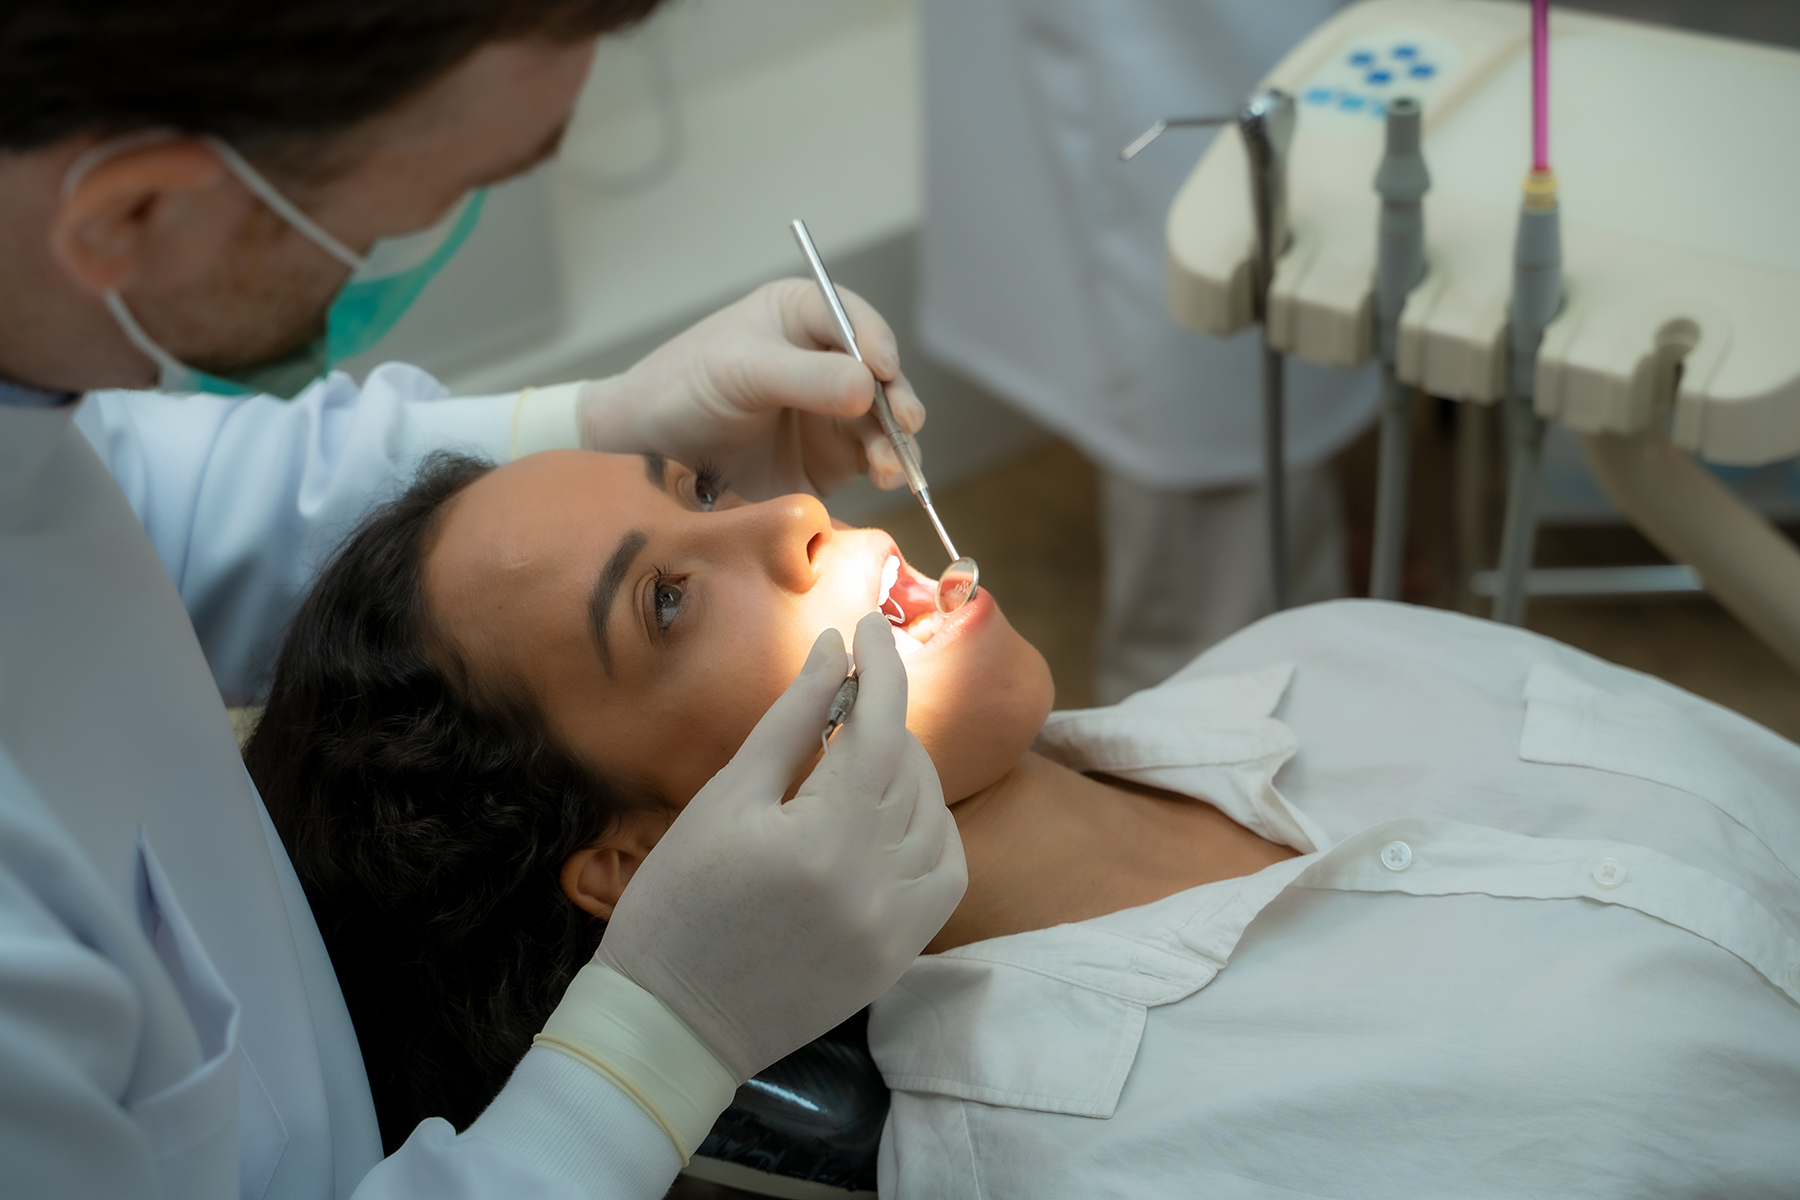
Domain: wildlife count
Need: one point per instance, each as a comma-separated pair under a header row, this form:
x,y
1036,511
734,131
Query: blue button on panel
x,y
1361,58
1378,109
1403,50
1318,95
1422,71
1378,77
1350,103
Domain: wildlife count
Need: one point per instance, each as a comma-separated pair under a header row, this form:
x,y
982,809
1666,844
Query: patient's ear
x,y
594,876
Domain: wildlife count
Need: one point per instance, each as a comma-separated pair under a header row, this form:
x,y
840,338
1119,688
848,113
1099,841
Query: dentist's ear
x,y
155,206
594,877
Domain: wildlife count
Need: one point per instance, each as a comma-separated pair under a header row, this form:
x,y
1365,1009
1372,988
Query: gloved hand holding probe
x,y
749,389
760,924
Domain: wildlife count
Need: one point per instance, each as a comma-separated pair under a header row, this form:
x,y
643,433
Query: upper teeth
x,y
890,573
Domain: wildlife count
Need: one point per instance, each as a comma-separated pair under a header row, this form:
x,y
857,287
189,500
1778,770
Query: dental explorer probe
x,y
841,704
960,580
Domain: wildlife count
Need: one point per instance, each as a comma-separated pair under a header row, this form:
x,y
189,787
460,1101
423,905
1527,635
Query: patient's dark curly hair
x,y
428,819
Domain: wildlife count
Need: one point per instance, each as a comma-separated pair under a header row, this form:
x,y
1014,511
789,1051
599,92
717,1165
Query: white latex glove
x,y
761,924
762,389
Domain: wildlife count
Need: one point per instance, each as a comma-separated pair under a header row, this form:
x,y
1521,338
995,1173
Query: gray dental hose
x,y
1402,182
1536,299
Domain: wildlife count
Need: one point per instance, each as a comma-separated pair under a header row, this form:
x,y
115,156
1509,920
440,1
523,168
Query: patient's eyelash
x,y
710,485
666,594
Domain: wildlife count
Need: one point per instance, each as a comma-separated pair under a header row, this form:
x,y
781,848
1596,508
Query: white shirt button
x,y
1794,976
1609,873
1396,856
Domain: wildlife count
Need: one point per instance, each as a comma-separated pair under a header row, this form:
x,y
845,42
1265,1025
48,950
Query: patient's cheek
x,y
722,711
978,718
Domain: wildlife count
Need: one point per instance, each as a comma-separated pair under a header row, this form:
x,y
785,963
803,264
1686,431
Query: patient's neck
x,y
1047,845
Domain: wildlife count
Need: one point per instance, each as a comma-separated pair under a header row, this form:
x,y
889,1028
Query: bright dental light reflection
x,y
890,571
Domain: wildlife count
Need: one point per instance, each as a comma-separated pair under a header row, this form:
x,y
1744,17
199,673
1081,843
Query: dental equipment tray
x,y
1679,175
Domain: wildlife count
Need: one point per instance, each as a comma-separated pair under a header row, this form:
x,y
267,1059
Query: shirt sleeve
x,y
245,498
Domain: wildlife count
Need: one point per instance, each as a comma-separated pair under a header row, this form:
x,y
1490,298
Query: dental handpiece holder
x,y
1681,256
1265,122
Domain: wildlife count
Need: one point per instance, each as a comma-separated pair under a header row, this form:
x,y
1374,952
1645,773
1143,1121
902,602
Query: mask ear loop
x,y
135,334
94,155
237,164
78,170
265,191
261,188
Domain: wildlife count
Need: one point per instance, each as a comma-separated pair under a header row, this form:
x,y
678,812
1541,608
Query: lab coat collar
x,y
18,395
29,438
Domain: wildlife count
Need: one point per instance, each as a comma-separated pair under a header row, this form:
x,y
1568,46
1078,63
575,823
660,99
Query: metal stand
x,y
1597,582
1747,564
1267,123
1473,423
1274,379
1390,486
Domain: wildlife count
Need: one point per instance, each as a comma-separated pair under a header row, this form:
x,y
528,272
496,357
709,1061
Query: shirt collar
x,y
1214,737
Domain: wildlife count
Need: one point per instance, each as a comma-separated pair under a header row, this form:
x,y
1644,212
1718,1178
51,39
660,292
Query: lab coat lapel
x,y
124,729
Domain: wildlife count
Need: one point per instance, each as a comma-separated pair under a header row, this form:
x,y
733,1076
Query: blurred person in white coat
x,y
226,197
1042,277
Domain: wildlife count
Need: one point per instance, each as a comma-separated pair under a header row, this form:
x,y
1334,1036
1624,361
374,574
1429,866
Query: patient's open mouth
x,y
908,600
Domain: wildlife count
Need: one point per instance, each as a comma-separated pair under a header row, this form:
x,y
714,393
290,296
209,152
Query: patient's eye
x,y
709,486
665,599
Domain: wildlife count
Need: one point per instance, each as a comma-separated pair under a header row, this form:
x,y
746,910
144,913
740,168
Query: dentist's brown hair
x,y
275,78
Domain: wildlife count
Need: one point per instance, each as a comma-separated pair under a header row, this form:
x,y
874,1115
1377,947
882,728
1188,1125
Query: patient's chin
x,y
977,727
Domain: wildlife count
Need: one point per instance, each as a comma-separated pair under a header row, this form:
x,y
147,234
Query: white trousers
x,y
1184,569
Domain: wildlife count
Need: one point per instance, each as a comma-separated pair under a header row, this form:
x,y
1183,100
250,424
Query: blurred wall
x,y
697,139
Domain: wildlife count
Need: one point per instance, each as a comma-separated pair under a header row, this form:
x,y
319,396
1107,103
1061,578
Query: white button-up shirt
x,y
1543,938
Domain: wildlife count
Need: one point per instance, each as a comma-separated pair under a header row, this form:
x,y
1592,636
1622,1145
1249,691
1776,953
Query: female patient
x,y
1513,920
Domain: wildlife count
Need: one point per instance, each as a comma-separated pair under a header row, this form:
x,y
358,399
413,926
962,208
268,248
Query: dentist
x,y
224,197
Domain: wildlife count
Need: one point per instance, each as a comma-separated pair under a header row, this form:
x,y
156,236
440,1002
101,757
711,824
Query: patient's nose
x,y
784,535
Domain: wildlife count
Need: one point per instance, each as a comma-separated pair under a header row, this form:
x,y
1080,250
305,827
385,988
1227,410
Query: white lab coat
x,y
1542,939
169,1021
1042,262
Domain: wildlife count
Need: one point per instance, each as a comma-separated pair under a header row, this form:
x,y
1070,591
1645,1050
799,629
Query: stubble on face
x,y
264,301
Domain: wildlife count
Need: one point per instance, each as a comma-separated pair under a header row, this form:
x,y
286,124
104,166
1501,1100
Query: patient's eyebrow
x,y
600,601
656,470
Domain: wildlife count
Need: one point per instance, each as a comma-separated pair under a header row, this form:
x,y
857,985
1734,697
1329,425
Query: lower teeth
x,y
922,627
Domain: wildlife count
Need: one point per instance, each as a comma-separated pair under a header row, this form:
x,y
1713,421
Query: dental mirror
x,y
958,584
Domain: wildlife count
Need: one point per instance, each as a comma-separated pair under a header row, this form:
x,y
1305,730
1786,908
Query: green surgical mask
x,y
383,284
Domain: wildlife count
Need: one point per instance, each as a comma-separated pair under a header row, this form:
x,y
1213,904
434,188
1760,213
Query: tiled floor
x,y
1032,527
